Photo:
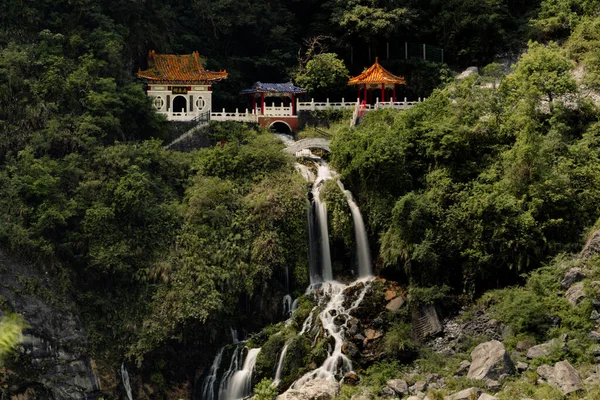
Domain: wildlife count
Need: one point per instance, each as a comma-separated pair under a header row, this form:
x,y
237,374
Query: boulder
x,y
390,294
388,392
466,394
351,378
490,360
468,72
485,396
572,276
592,246
463,367
545,349
545,371
350,349
575,293
565,377
399,386
317,389
521,366
493,385
419,386
395,304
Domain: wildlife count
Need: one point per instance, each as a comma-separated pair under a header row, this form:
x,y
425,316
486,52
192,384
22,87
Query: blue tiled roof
x,y
260,87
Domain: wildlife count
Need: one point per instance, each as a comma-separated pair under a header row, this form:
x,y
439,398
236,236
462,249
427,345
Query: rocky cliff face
x,y
52,362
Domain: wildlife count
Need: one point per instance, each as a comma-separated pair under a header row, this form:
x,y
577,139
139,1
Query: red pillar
x,y
293,104
383,92
262,103
394,93
365,94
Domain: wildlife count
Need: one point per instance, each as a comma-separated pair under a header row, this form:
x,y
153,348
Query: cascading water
x,y
323,174
208,386
126,383
334,319
279,370
287,305
332,297
240,385
363,252
233,367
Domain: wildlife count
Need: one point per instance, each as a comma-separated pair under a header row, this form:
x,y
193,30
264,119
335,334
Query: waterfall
x,y
294,305
287,305
234,335
363,252
336,365
208,386
126,383
323,174
279,371
305,171
233,367
240,385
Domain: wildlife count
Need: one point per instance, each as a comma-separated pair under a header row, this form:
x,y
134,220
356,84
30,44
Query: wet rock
x,y
318,389
575,293
419,386
390,294
463,368
372,334
466,394
395,304
595,315
572,276
545,349
351,379
490,360
350,349
566,378
521,366
592,246
399,386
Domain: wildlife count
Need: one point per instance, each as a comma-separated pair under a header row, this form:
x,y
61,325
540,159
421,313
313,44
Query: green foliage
x,y
324,73
265,391
11,327
269,356
379,373
398,339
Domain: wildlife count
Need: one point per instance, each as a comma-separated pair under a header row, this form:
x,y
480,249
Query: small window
x,y
200,103
159,103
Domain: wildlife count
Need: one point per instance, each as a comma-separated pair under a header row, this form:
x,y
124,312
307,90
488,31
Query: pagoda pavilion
x,y
273,115
180,86
377,78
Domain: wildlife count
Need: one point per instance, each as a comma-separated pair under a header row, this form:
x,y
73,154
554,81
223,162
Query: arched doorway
x,y
281,127
179,104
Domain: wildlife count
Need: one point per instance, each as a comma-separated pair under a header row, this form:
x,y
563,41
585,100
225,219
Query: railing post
x,y
405,101
419,99
327,103
312,104
343,103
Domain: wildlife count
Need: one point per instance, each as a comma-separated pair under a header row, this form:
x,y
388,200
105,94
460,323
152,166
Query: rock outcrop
x,y
490,360
562,376
52,361
318,389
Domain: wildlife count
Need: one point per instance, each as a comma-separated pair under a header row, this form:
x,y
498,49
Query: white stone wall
x,y
200,98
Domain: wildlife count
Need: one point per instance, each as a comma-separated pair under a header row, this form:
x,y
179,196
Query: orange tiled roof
x,y
376,74
186,68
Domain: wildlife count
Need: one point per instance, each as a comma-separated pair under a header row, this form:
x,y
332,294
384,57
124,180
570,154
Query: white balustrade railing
x,y
234,116
323,105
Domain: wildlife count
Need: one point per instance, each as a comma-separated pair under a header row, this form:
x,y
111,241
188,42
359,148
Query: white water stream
x,y
126,383
363,253
208,386
240,385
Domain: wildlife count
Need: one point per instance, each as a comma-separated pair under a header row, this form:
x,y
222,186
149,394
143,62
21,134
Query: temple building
x,y
180,86
375,79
